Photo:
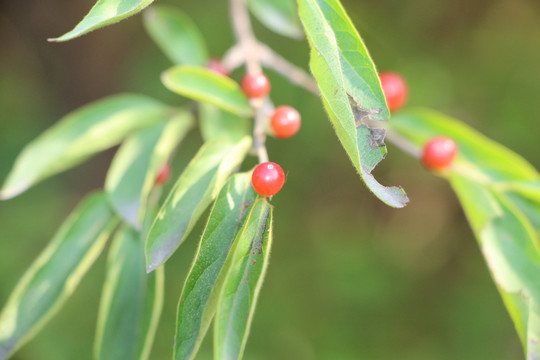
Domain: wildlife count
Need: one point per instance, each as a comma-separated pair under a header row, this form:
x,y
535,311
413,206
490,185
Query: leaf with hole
x,y
196,188
55,274
350,89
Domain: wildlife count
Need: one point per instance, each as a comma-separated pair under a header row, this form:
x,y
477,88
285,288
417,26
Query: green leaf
x,y
55,274
204,85
215,123
131,301
279,16
512,251
105,12
196,188
137,163
479,158
350,89
176,34
197,303
237,301
500,194
78,136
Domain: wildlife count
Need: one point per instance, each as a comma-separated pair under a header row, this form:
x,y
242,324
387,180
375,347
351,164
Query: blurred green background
x,y
349,278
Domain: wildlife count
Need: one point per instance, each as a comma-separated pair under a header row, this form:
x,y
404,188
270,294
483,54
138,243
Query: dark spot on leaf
x,y
377,137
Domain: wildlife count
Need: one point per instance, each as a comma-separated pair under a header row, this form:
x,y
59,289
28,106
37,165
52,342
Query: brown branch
x,y
247,43
249,51
294,74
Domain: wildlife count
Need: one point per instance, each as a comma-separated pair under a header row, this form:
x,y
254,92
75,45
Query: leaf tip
x,y
58,39
11,192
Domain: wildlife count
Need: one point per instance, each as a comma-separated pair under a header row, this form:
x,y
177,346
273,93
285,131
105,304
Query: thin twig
x,y
233,58
244,35
403,144
253,53
294,74
249,46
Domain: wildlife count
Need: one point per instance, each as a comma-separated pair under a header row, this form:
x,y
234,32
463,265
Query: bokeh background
x,y
349,278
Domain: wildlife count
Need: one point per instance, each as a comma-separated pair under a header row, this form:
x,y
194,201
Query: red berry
x,y
217,66
285,122
439,152
164,174
395,90
268,178
255,86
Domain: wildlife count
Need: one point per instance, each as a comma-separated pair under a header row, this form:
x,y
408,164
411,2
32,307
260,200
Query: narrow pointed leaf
x,y
103,13
138,162
196,188
78,136
197,303
479,157
279,16
55,274
215,123
176,34
204,85
238,298
350,89
499,192
131,301
511,248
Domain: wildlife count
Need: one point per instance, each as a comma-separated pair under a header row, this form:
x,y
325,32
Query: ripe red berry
x,y
255,86
285,122
217,66
439,152
268,178
164,174
395,90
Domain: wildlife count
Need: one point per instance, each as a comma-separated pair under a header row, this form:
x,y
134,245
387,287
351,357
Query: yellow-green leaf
x,y
204,85
176,34
79,135
196,188
105,12
238,298
197,303
137,163
55,274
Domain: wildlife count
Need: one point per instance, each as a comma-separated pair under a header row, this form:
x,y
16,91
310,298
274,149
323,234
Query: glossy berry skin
x,y
268,178
285,122
164,174
395,90
439,153
255,86
217,66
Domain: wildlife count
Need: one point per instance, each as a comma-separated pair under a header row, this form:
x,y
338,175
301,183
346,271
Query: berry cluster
x,y
268,177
